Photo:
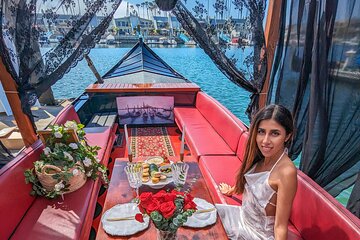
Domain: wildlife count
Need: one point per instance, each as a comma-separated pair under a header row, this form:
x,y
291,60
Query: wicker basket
x,y
48,182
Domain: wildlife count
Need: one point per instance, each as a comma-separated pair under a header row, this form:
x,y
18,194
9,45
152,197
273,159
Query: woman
x,y
267,179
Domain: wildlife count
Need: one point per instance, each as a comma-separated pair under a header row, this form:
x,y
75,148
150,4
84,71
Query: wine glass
x,y
134,172
179,171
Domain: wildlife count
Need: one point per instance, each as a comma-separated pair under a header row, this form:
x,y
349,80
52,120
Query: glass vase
x,y
166,235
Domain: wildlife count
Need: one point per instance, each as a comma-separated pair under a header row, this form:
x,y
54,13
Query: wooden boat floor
x,y
120,152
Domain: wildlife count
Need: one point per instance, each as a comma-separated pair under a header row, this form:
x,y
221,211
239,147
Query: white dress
x,y
249,222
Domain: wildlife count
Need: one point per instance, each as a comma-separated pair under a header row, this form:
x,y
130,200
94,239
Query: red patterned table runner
x,y
151,141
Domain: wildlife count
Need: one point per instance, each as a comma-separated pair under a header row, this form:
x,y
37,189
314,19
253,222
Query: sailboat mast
x,y
24,123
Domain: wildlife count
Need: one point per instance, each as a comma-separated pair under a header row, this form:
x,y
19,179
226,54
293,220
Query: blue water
x,y
191,62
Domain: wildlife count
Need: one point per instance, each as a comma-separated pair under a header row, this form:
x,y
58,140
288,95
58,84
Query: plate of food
x,y
155,173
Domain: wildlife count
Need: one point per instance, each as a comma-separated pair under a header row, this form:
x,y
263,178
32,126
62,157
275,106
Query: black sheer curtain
x,y
316,73
215,27
24,22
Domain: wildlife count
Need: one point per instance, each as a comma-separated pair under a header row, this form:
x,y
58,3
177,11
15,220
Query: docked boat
x,y
215,138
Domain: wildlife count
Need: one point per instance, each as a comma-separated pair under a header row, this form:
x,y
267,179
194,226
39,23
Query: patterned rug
x,y
151,141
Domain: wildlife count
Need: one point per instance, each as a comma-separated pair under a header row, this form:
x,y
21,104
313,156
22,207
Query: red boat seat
x,y
293,233
98,136
221,119
57,219
220,169
317,215
26,217
15,197
211,129
240,152
68,113
201,137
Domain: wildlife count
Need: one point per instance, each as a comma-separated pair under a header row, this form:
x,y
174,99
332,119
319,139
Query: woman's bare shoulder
x,y
287,168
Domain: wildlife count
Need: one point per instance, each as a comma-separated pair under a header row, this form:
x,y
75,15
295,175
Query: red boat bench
x,y
218,169
317,215
211,129
23,216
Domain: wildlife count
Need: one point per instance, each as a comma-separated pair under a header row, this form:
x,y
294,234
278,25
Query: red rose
x,y
167,209
145,199
139,217
169,197
160,195
153,206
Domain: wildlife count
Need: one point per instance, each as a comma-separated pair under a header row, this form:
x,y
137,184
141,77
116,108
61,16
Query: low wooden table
x,y
119,191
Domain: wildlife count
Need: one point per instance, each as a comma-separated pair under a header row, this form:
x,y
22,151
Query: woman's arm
x,y
287,186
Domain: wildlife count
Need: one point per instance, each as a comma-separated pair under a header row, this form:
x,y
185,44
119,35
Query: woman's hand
x,y
226,189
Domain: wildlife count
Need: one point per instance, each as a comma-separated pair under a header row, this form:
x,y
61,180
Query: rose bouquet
x,y
64,164
167,210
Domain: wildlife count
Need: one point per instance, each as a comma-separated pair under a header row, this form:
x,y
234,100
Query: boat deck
x,y
144,87
10,137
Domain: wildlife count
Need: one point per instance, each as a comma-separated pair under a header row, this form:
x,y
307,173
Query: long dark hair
x,y
253,154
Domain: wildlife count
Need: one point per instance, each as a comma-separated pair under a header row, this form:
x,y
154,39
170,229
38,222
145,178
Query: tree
x,y
138,8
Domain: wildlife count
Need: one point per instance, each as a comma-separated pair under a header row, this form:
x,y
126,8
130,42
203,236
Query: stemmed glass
x,y
134,172
179,171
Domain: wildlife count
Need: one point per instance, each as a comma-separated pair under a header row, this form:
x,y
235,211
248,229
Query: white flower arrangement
x,y
72,158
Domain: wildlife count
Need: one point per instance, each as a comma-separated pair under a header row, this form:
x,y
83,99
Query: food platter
x,y
157,172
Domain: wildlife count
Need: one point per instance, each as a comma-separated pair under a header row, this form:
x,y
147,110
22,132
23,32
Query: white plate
x,y
125,227
158,185
199,220
156,160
